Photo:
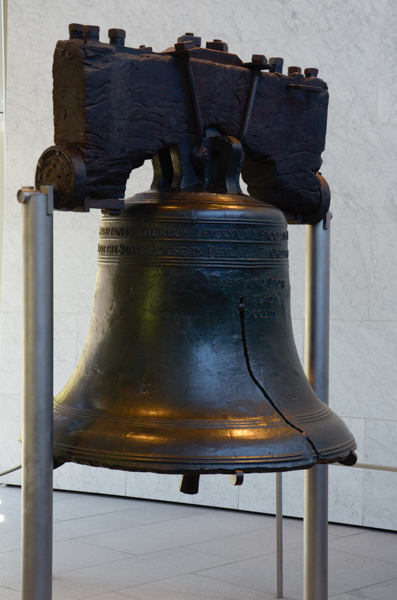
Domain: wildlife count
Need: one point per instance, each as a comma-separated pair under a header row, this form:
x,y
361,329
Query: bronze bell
x,y
190,365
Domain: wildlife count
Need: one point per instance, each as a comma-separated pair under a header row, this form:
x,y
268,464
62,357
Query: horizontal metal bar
x,y
368,466
11,470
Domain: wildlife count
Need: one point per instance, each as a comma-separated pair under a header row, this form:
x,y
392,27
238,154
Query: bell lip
x,y
180,469
207,465
162,468
259,457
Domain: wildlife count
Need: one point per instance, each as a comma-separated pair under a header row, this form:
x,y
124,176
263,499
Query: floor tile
x,y
121,574
10,569
154,512
59,495
166,534
386,590
67,556
11,490
110,548
245,545
9,540
9,501
71,554
84,505
346,572
337,531
381,545
343,597
193,587
10,594
107,596
258,573
257,543
85,526
9,519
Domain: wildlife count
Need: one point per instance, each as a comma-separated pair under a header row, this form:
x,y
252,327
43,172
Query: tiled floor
x,y
108,548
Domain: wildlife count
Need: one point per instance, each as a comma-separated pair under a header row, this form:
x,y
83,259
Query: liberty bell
x,y
190,364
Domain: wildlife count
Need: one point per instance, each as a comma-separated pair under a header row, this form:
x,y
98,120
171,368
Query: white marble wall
x,y
354,44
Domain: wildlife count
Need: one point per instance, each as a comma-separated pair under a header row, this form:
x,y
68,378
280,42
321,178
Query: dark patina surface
x,y
163,383
116,106
190,364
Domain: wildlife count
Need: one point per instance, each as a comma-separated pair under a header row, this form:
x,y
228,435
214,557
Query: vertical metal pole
x,y
37,393
279,533
315,579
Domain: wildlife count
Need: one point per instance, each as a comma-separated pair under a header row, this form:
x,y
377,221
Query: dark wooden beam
x,y
117,107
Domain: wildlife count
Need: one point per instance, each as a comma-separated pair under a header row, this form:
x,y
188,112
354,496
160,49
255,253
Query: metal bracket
x,y
258,63
327,220
49,191
25,193
182,50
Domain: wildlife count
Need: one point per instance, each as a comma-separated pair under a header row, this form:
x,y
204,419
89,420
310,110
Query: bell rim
x,y
210,465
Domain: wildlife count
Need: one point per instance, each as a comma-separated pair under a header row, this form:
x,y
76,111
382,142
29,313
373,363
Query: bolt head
x,y
181,47
190,37
113,33
76,27
276,60
76,31
91,29
259,59
23,196
91,32
292,70
276,63
217,45
311,72
201,154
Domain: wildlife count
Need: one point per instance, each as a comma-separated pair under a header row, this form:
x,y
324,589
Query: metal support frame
x,y
37,399
37,394
315,576
279,533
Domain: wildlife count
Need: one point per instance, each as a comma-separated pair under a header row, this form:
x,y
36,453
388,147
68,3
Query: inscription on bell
x,y
257,314
258,298
251,234
239,282
259,234
122,249
243,251
182,241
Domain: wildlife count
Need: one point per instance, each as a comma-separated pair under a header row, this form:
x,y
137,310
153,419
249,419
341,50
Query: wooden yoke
x,y
115,107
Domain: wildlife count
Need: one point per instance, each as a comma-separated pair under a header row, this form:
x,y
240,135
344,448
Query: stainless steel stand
x,y
37,427
315,577
37,394
279,533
